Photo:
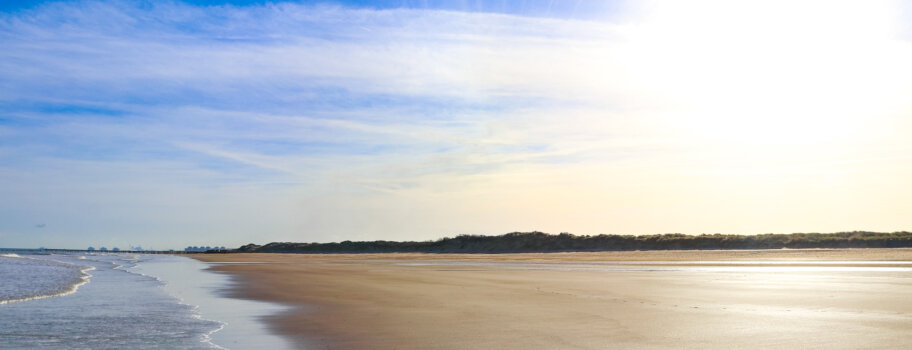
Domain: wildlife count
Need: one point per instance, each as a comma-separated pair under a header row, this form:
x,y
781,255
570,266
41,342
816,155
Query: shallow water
x,y
115,310
187,280
123,301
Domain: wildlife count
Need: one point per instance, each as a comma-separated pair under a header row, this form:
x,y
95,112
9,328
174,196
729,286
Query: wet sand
x,y
828,299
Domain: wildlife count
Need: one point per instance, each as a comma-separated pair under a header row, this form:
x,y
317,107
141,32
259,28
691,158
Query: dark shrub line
x,y
531,242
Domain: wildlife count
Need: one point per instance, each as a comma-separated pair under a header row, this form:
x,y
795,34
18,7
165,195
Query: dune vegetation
x,y
528,242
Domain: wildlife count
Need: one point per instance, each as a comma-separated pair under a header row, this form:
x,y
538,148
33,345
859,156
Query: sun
x,y
801,76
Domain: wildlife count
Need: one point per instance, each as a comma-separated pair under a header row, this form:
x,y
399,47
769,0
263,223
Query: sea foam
x,y
26,278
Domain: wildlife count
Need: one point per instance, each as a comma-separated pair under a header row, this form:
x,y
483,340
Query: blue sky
x,y
537,8
167,124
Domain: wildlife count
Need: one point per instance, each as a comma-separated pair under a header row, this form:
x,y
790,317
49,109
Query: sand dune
x,y
646,300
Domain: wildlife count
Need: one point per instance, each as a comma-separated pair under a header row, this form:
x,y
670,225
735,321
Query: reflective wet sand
x,y
833,299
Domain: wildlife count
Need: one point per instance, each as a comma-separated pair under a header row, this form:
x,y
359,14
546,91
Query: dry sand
x,y
654,299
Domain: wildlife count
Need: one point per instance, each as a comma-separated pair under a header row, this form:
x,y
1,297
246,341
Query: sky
x,y
167,124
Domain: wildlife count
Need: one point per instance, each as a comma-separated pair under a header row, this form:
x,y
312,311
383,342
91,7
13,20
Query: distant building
x,y
91,249
103,249
202,248
115,249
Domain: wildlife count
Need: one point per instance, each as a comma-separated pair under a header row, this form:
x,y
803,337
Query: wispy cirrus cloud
x,y
334,79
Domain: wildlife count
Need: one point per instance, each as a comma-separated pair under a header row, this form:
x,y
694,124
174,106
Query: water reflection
x,y
694,266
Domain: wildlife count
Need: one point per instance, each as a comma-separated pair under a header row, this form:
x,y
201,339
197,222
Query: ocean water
x,y
123,301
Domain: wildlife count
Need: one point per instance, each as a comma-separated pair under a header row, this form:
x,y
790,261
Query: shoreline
x,y
576,300
193,283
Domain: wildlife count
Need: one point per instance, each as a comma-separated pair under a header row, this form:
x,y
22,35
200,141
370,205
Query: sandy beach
x,y
828,299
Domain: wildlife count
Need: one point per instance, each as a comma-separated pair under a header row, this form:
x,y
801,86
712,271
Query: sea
x,y
125,301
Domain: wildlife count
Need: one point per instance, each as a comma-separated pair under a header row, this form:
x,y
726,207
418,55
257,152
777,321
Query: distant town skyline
x,y
167,124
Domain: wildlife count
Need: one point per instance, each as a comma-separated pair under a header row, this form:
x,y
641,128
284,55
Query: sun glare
x,y
774,74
